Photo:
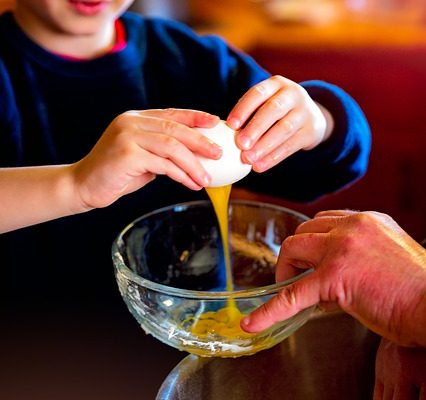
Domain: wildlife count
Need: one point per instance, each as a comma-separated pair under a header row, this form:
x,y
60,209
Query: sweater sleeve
x,y
334,164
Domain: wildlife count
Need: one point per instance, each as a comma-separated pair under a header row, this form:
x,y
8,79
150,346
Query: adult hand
x,y
363,263
137,146
400,372
277,117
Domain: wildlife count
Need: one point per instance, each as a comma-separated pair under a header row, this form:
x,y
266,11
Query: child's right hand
x,y
137,146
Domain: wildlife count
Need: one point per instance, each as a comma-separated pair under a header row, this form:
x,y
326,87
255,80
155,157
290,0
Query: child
x,y
117,165
69,67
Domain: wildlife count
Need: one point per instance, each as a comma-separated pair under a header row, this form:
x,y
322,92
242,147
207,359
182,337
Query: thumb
x,y
134,184
288,302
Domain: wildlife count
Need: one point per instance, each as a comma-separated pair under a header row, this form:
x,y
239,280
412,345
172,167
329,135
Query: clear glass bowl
x,y
169,266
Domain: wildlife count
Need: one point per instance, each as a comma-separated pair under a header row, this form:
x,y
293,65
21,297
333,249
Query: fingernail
x,y
245,142
234,123
214,117
250,156
216,150
261,166
245,321
206,179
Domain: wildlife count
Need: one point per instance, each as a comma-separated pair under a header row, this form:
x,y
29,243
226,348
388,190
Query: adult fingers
x,y
378,390
388,392
336,213
289,301
321,224
298,252
406,391
379,373
359,217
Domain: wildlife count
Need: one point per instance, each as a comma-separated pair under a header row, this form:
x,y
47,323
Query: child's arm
x,y
32,195
137,146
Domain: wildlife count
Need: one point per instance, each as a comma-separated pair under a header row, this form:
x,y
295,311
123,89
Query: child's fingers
x,y
295,142
272,110
274,137
163,166
277,155
169,148
190,118
179,175
253,99
190,137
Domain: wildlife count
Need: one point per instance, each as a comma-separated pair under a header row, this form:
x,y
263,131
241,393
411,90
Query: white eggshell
x,y
229,168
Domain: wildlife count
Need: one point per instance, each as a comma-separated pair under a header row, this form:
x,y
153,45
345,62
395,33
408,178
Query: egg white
x,y
229,168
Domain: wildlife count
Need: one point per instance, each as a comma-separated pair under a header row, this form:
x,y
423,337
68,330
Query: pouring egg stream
x,y
224,172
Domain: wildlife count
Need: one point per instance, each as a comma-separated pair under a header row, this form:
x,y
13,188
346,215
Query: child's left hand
x,y
277,118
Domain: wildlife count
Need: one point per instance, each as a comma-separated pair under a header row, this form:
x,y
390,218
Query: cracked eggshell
x,y
229,168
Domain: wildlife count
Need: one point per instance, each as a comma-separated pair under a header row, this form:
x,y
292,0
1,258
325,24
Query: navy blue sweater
x,y
53,110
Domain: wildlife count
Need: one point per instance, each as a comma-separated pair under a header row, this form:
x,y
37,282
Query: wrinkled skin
x,y
400,372
368,266
364,263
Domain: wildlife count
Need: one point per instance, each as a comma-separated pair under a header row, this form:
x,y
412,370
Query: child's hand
x,y
277,118
137,146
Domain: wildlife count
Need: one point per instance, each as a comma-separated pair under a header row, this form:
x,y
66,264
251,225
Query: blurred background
x,y
374,49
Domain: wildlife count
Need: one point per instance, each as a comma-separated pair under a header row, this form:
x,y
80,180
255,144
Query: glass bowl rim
x,y
122,268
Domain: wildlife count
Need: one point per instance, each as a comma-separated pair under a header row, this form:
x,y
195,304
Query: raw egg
x,y
229,168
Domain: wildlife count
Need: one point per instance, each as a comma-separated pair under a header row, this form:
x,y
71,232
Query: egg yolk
x,y
225,321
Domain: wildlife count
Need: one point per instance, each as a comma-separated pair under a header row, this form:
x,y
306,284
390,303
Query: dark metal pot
x,y
329,358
